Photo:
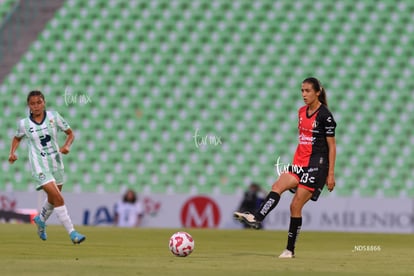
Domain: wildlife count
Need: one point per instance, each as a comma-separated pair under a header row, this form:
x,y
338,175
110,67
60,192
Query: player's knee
x,y
278,187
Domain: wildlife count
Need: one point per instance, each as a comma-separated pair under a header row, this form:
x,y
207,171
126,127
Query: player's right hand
x,y
12,158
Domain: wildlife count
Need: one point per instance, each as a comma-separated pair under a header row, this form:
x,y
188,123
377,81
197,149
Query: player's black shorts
x,y
310,178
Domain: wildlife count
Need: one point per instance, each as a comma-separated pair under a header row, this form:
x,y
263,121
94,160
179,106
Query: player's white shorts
x,y
46,177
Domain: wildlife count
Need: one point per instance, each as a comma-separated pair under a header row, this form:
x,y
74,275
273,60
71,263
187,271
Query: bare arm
x,y
15,144
330,180
69,140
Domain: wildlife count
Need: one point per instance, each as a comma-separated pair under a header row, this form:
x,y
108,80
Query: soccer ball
x,y
181,244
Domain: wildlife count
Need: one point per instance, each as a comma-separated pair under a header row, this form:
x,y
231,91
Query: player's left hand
x,y
330,182
64,149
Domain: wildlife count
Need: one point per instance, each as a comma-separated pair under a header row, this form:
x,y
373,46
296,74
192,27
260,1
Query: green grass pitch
x,y
115,251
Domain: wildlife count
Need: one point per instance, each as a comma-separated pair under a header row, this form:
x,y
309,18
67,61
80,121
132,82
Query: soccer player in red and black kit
x,y
312,167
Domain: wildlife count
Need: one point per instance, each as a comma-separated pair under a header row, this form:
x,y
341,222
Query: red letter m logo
x,y
200,212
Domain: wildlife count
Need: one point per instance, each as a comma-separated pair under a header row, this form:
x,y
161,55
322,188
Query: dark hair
x,y
126,199
317,86
254,185
35,93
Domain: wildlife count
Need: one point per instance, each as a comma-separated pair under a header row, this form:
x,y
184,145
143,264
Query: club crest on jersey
x,y
42,176
315,124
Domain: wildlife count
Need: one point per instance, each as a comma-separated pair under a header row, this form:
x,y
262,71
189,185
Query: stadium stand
x,y
137,80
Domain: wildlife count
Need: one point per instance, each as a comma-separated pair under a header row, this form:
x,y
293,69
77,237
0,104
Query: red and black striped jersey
x,y
312,150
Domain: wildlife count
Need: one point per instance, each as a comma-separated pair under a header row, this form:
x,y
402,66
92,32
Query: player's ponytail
x,y
317,86
322,97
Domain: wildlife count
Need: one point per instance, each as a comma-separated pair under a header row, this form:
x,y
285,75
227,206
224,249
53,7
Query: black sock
x,y
294,229
268,204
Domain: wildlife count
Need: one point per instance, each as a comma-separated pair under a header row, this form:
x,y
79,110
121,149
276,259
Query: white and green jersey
x,y
44,155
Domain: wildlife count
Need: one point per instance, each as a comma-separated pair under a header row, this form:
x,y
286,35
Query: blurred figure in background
x,y
252,200
129,212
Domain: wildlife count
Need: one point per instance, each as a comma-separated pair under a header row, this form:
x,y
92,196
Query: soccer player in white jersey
x,y
41,132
